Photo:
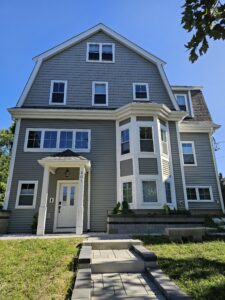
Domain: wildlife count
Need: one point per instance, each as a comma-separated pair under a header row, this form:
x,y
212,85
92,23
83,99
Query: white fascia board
x,y
143,109
90,32
198,126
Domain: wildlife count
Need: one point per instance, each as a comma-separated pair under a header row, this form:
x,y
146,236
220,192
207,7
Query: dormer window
x,y
100,52
58,92
100,93
140,91
182,101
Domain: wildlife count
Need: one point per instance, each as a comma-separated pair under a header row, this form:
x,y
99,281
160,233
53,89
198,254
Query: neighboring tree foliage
x,y
6,141
206,19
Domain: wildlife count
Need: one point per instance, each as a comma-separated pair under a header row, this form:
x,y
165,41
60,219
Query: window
x,y
199,194
58,92
66,139
188,150
182,101
149,191
34,139
53,140
26,194
127,192
168,192
164,141
100,52
82,140
50,139
125,141
146,139
140,91
100,93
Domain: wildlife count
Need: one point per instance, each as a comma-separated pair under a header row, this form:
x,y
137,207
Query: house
x,y
98,123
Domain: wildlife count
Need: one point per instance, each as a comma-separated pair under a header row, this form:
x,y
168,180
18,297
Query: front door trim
x,y
59,182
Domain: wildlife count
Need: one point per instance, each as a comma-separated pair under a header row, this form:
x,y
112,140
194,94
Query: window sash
x,y
182,102
149,191
188,152
127,192
125,141
199,194
58,92
140,91
100,52
100,93
26,194
168,192
66,140
34,139
146,139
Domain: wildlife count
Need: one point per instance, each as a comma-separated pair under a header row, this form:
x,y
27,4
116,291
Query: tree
x,y
6,142
206,19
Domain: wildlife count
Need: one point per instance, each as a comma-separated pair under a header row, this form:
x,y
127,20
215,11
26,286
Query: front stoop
x,y
121,269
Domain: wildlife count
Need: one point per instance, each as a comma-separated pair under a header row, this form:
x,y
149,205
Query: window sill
x,y
200,201
24,207
100,61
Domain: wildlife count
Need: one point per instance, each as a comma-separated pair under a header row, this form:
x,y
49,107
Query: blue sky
x,y
29,27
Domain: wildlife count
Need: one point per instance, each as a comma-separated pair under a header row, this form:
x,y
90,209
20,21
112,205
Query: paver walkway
x,y
124,286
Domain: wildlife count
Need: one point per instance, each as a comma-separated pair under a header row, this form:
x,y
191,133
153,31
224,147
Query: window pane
x,y
149,191
93,52
100,88
26,194
187,148
27,189
26,200
100,99
81,140
34,139
146,142
188,153
58,87
168,192
189,159
204,194
66,138
127,192
58,92
125,144
191,194
163,136
181,101
107,54
141,91
72,195
50,139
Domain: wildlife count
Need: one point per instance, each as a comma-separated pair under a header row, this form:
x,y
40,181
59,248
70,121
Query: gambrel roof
x,y
100,27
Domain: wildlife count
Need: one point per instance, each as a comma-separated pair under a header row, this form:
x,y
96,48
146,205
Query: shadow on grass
x,y
72,266
200,277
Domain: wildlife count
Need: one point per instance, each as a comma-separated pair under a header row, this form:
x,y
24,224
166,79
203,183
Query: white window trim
x,y
93,92
186,101
51,91
194,153
167,143
57,149
20,182
134,91
198,200
149,204
143,153
100,52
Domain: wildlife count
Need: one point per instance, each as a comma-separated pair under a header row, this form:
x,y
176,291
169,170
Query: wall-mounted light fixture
x,y
67,173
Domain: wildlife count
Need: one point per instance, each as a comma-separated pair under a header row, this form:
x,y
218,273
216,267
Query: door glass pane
x,y
72,195
64,194
149,191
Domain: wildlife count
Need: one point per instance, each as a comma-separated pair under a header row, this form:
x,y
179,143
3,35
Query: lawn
x,y
37,268
197,268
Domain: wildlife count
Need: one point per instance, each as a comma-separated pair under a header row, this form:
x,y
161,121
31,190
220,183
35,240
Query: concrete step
x,y
111,244
116,261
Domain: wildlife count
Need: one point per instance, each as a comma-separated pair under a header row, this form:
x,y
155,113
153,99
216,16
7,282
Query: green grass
x,y
37,269
197,268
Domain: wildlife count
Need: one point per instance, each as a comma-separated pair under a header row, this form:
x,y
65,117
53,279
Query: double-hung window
x,y
182,102
140,91
100,52
149,188
146,139
50,139
58,92
127,192
26,194
189,157
168,192
199,194
100,93
66,140
125,141
164,141
82,140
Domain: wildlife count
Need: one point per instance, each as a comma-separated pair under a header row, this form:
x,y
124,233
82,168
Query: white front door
x,y
66,206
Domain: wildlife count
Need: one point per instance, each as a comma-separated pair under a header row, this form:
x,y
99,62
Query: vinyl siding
x,y
103,175
148,166
176,166
126,167
71,65
204,173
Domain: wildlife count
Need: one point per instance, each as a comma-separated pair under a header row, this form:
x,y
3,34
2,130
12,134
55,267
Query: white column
x,y
43,205
80,202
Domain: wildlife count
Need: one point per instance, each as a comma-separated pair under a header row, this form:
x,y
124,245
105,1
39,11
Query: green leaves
x,y
206,19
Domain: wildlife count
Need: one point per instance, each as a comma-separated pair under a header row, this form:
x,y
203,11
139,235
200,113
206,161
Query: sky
x,y
29,27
